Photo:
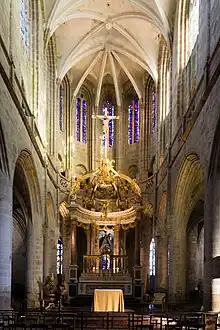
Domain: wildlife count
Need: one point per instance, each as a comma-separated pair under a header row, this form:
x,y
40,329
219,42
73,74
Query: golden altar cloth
x,y
106,300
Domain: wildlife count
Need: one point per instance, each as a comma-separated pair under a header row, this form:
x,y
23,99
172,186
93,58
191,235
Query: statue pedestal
x,y
73,272
73,282
138,284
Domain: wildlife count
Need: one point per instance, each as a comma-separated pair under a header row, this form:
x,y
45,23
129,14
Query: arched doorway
x,y
21,220
27,244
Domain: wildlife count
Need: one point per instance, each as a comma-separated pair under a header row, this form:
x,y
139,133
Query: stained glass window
x,y
61,108
78,118
59,256
24,24
81,118
133,121
152,257
154,111
111,112
84,106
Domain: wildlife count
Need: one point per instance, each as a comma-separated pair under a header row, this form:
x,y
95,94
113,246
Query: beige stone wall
x,y
192,133
21,133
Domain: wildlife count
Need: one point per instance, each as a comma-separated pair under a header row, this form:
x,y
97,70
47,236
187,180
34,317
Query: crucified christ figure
x,y
105,120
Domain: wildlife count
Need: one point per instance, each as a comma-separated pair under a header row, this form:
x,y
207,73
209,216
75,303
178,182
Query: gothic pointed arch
x,y
26,167
189,190
26,213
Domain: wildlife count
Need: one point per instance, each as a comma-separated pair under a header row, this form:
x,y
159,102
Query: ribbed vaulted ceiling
x,y
98,38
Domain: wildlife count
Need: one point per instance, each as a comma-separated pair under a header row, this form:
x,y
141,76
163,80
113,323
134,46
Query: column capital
x,y
58,81
73,219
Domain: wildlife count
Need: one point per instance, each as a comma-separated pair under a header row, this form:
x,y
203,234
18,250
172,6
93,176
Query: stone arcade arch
x,y
189,190
27,205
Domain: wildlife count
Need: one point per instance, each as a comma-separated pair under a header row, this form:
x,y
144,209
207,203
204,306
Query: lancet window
x,y
154,111
133,121
59,256
61,108
111,112
81,119
152,257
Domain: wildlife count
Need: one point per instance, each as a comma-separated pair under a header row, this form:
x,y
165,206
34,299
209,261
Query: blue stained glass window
x,y
152,257
24,24
81,119
59,256
61,108
133,121
84,108
130,124
78,118
111,112
154,111
111,126
136,120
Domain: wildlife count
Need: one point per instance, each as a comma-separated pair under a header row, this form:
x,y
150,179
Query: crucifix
x,y
105,131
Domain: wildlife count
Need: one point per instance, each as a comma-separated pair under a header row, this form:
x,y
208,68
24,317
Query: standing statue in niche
x,y
106,245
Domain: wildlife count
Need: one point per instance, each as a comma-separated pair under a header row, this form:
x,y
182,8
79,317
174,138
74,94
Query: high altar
x,y
103,206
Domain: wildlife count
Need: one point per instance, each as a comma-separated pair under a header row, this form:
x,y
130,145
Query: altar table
x,y
106,300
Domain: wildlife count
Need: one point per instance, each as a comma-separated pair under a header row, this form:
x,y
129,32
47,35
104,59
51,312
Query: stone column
x,y
73,244
211,281
137,244
124,242
34,260
67,243
88,233
162,259
116,242
45,249
96,141
5,241
53,252
119,143
94,241
141,143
